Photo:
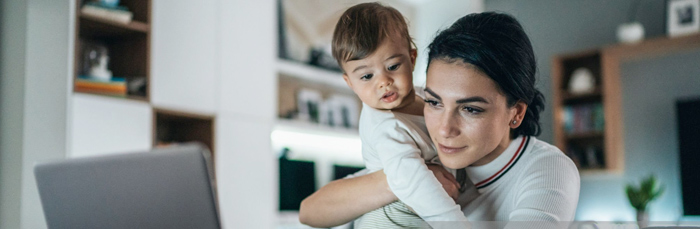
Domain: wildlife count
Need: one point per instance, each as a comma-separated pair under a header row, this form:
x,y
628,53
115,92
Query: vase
x,y
642,219
632,32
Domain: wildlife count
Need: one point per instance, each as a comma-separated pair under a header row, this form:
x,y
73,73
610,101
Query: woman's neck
x,y
500,148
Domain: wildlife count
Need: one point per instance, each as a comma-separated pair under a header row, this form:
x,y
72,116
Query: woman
x,y
482,112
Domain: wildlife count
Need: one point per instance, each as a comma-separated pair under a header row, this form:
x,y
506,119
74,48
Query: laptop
x,y
164,188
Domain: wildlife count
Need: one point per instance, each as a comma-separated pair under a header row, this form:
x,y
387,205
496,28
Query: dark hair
x,y
497,45
363,27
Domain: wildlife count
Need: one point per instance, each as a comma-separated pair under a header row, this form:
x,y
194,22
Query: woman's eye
x,y
431,103
366,77
472,110
394,67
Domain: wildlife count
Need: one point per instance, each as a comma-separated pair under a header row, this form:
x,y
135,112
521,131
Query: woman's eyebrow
x,y
473,99
431,92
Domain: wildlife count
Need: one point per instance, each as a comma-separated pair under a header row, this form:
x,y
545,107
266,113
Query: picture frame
x,y
682,17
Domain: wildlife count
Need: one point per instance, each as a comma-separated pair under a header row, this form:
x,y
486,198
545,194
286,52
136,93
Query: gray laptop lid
x,y
164,188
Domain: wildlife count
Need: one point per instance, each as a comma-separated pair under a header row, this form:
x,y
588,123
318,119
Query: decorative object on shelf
x,y
322,57
95,60
309,102
108,3
631,31
137,86
582,81
683,17
108,10
641,196
342,111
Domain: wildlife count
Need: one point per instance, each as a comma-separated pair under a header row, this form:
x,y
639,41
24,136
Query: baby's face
x,y
384,79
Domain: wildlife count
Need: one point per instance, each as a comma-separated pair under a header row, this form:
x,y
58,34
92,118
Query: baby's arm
x,y
409,177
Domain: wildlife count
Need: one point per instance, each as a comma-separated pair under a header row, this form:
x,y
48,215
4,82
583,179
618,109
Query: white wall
x,y
12,58
47,70
35,73
431,17
104,125
184,52
246,167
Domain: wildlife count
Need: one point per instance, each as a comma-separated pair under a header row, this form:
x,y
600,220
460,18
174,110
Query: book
x,y
116,86
120,15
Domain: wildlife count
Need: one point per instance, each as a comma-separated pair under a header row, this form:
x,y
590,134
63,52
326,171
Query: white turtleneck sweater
x,y
530,181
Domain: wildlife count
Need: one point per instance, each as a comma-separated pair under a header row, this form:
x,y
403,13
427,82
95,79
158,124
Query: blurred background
x,y
255,82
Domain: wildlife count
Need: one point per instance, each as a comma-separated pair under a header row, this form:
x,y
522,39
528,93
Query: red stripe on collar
x,y
517,152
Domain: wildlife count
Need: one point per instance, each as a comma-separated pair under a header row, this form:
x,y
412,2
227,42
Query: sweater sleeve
x,y
408,176
549,190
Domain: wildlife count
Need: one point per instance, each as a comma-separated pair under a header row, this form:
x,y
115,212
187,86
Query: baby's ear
x,y
347,80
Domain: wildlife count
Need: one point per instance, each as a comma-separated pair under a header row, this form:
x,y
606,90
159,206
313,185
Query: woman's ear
x,y
414,54
519,110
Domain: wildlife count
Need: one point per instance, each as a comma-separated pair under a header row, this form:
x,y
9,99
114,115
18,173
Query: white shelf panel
x,y
311,74
310,141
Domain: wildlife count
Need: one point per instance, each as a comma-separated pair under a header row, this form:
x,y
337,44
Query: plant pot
x,y
642,219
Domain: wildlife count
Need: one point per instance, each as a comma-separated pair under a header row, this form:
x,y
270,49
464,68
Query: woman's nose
x,y
448,126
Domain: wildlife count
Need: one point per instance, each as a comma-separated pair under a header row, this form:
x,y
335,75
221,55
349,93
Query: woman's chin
x,y
453,162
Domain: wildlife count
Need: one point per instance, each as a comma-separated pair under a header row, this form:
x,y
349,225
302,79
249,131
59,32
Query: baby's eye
x,y
366,77
393,67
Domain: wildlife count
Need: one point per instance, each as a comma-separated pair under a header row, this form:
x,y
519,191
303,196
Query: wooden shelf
x,y
99,27
131,97
571,97
315,128
179,127
127,46
311,74
585,135
605,64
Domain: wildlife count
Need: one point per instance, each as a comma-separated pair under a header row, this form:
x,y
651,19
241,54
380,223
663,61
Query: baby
x,y
372,45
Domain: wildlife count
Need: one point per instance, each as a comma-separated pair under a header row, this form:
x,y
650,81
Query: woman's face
x,y
467,115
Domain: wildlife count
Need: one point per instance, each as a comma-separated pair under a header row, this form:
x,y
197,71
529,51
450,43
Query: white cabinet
x,y
102,125
185,55
248,55
246,171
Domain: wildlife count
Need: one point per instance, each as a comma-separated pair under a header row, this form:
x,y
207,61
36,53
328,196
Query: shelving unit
x,y
608,143
293,76
578,129
173,127
128,45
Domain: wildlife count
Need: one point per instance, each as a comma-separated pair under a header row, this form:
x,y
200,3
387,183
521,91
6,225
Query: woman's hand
x,y
448,181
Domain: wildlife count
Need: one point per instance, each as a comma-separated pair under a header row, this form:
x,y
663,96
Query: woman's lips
x,y
450,150
390,97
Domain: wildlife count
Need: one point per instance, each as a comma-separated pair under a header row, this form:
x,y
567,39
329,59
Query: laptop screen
x,y
164,188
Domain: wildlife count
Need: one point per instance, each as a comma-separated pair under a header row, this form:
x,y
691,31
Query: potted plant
x,y
641,196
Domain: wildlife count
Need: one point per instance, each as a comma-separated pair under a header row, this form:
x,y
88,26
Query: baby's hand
x,y
448,181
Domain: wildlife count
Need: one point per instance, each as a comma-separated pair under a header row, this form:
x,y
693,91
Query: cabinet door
x,y
185,55
248,58
102,125
246,173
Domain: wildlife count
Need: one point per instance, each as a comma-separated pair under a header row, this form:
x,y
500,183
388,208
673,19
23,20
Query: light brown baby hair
x,y
363,27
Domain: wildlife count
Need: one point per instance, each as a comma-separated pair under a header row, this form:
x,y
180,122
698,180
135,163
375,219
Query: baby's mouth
x,y
389,97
